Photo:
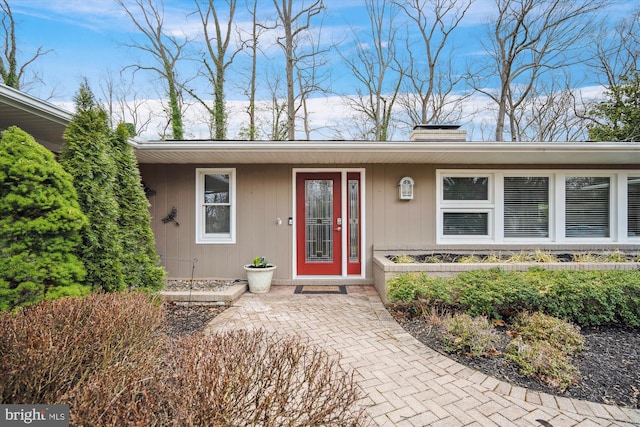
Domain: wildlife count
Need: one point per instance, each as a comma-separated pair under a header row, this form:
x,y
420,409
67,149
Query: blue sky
x,y
86,39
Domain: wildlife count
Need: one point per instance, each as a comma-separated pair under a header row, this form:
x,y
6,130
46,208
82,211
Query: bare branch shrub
x,y
48,349
106,356
247,378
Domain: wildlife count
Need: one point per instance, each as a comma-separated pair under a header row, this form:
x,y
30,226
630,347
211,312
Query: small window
x,y
215,210
587,207
466,223
633,207
465,188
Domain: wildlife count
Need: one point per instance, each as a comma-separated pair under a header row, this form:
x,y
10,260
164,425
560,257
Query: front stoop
x,y
222,297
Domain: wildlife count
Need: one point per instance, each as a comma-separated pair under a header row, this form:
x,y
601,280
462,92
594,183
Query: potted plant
x,y
259,275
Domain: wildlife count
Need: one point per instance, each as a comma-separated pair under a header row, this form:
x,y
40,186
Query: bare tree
x,y
11,72
549,113
527,39
615,56
124,103
252,49
312,76
295,24
430,75
165,50
616,50
216,60
278,124
377,67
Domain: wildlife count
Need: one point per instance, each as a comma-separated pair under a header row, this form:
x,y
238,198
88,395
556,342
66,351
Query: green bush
x,y
610,297
543,347
405,287
593,297
541,360
40,225
86,155
140,262
556,332
464,334
495,293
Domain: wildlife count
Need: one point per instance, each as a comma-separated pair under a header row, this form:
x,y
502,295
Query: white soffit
x,y
363,152
44,121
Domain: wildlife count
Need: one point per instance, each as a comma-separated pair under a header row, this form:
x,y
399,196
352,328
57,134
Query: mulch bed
x,y
609,365
185,319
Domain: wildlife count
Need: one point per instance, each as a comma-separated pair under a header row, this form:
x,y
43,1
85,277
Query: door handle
x,y
337,229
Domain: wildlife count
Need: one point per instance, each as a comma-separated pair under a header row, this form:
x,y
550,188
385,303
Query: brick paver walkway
x,y
406,383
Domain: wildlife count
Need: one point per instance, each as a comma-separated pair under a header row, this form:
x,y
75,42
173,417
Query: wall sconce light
x,y
406,188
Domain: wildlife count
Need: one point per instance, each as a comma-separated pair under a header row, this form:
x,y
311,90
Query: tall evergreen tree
x,y
40,225
86,157
139,258
618,117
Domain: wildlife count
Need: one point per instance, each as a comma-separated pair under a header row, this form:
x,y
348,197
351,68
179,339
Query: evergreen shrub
x,y
40,225
602,297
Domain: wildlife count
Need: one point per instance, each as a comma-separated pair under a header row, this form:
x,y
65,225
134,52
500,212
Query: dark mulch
x,y
448,257
184,319
609,365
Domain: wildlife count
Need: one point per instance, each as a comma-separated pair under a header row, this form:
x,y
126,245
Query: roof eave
x,y
44,121
364,152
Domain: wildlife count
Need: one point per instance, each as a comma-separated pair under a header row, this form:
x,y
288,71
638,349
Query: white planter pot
x,y
259,278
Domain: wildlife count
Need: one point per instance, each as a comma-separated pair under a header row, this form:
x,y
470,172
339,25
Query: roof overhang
x,y
44,121
364,152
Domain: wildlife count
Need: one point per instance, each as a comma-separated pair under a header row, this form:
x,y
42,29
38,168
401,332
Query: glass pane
x,y
216,188
633,207
319,220
462,188
217,219
526,207
354,229
587,207
466,224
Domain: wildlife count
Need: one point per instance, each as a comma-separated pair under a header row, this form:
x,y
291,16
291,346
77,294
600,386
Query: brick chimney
x,y
438,133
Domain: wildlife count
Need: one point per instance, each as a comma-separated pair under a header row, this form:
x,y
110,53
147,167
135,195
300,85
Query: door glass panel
x,y
354,220
319,220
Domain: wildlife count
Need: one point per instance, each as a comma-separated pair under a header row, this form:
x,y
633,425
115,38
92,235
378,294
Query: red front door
x,y
319,223
329,225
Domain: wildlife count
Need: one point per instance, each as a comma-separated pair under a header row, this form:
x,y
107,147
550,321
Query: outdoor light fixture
x,y
406,188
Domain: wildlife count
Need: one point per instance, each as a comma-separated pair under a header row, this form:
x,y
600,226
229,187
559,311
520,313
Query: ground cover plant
x,y
109,358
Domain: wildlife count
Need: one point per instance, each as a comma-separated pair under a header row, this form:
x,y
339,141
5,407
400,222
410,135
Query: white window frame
x,y
466,206
618,210
215,238
614,220
500,237
623,195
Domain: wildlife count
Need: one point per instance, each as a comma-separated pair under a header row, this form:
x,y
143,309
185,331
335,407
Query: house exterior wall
x,y
265,193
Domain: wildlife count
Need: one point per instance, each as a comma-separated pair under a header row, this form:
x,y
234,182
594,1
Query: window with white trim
x,y
215,206
633,206
466,205
526,206
587,206
537,206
